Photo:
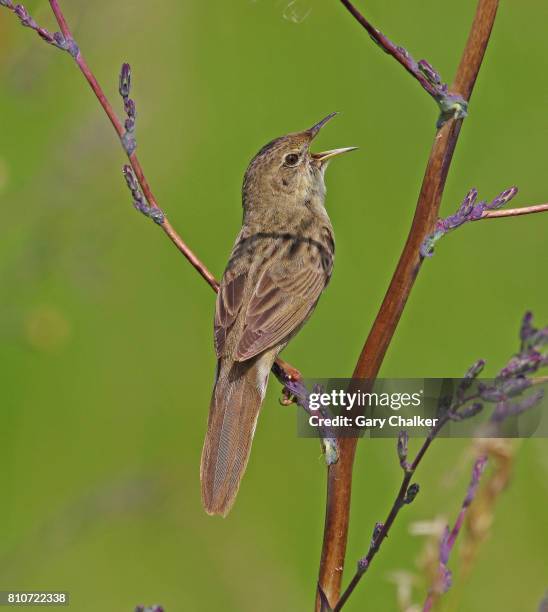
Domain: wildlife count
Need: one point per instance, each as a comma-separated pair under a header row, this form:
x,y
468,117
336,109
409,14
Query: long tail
x,y
233,412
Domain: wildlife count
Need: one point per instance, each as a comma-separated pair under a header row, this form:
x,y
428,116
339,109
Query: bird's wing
x,y
229,303
282,300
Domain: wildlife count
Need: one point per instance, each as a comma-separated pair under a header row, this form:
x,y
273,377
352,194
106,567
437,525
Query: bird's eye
x,y
292,159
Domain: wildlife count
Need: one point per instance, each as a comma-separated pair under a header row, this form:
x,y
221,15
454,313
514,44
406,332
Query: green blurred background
x,y
106,354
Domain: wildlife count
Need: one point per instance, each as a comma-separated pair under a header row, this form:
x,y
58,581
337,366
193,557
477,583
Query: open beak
x,y
322,158
325,155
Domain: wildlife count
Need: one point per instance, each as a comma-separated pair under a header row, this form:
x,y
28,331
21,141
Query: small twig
x,y
469,210
57,39
472,210
450,104
515,212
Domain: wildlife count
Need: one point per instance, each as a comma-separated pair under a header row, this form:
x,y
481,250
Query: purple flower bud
x,y
474,370
527,329
158,217
129,107
528,361
466,382
21,12
362,565
506,409
515,386
429,72
125,80
491,394
450,222
376,532
468,202
467,413
24,16
128,141
503,198
130,177
477,471
59,39
7,3
411,493
529,402
403,440
477,211
445,546
129,124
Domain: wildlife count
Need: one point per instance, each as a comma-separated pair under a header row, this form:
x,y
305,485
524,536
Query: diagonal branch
x,y
450,104
426,213
133,159
64,40
398,53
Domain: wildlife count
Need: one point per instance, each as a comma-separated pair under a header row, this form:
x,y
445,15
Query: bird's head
x,y
286,170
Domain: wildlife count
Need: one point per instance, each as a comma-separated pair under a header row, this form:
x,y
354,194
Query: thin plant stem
x,y
514,212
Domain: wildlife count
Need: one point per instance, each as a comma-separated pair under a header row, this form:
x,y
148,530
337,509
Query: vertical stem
x,y
339,478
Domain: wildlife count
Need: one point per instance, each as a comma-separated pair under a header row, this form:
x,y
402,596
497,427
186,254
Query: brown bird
x,y
280,264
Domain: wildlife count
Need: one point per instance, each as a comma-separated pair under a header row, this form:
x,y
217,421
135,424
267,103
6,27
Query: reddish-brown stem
x,y
60,19
339,480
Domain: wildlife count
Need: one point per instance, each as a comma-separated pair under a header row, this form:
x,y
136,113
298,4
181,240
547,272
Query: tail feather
x,y
233,413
